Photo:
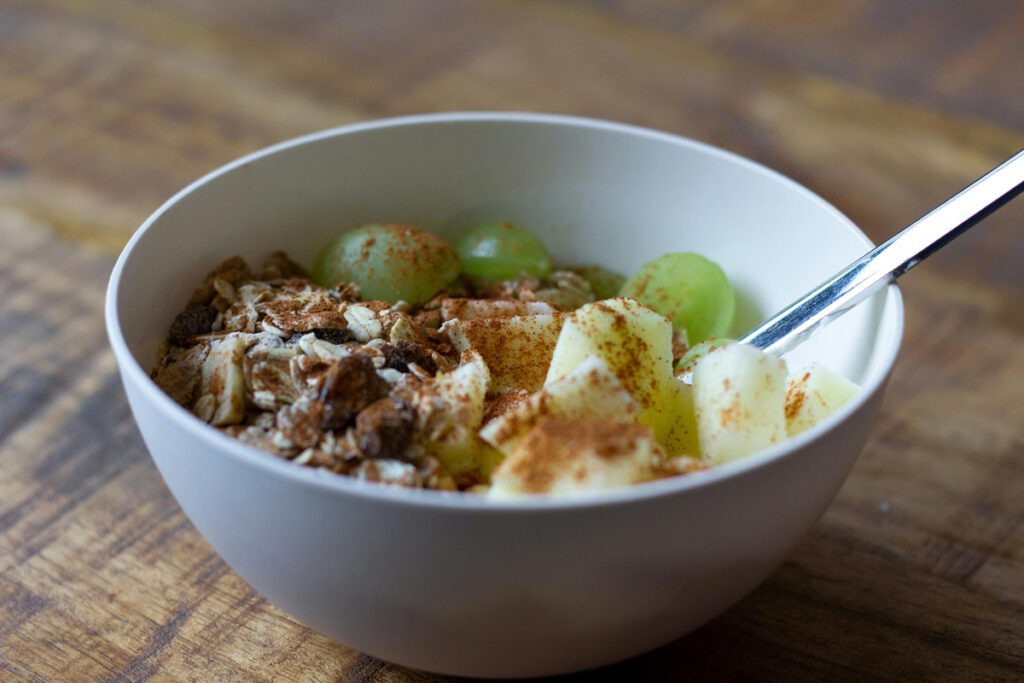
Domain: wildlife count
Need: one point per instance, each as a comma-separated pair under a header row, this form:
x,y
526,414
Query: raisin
x,y
348,386
196,319
334,335
403,352
385,428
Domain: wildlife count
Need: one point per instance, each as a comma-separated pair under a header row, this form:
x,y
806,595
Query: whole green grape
x,y
603,282
502,251
688,289
389,262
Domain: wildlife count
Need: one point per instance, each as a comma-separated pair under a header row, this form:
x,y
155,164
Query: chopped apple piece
x,y
739,396
565,456
465,456
516,349
464,390
591,390
454,433
813,395
636,344
680,421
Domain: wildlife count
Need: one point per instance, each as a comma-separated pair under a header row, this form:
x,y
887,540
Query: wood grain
x,y
109,106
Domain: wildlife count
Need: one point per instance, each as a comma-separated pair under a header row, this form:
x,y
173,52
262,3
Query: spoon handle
x,y
883,264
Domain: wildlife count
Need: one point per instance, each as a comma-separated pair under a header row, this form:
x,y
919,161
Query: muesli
x,y
500,375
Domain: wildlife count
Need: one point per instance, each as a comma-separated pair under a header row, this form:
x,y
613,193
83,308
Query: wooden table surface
x,y
107,107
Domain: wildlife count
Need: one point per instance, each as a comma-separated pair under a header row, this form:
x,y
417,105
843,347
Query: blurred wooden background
x,y
107,107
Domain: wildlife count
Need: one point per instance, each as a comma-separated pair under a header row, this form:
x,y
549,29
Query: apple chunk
x,y
636,344
566,456
591,390
516,349
813,395
739,398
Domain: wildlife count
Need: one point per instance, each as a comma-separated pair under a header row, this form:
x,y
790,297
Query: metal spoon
x,y
882,265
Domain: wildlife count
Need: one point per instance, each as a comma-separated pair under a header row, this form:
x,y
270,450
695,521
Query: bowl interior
x,y
596,193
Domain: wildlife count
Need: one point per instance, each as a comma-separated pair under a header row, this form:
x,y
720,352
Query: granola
x,y
377,391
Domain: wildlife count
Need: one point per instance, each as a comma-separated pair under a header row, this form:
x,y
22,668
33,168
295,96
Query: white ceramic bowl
x,y
447,582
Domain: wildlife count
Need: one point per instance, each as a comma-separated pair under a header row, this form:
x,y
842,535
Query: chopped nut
x,y
384,428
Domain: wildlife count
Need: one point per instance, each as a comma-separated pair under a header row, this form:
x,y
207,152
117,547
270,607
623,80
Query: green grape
x,y
603,282
689,290
697,352
502,251
389,262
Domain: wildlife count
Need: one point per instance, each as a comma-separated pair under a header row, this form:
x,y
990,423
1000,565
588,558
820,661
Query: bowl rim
x,y
132,372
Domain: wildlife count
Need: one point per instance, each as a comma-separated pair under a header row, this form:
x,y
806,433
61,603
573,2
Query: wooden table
x,y
109,106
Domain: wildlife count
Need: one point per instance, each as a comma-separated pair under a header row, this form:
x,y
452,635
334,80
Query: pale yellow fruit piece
x,y
633,340
516,349
813,395
563,456
636,344
455,441
680,434
739,399
591,390
465,388
465,456
222,384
